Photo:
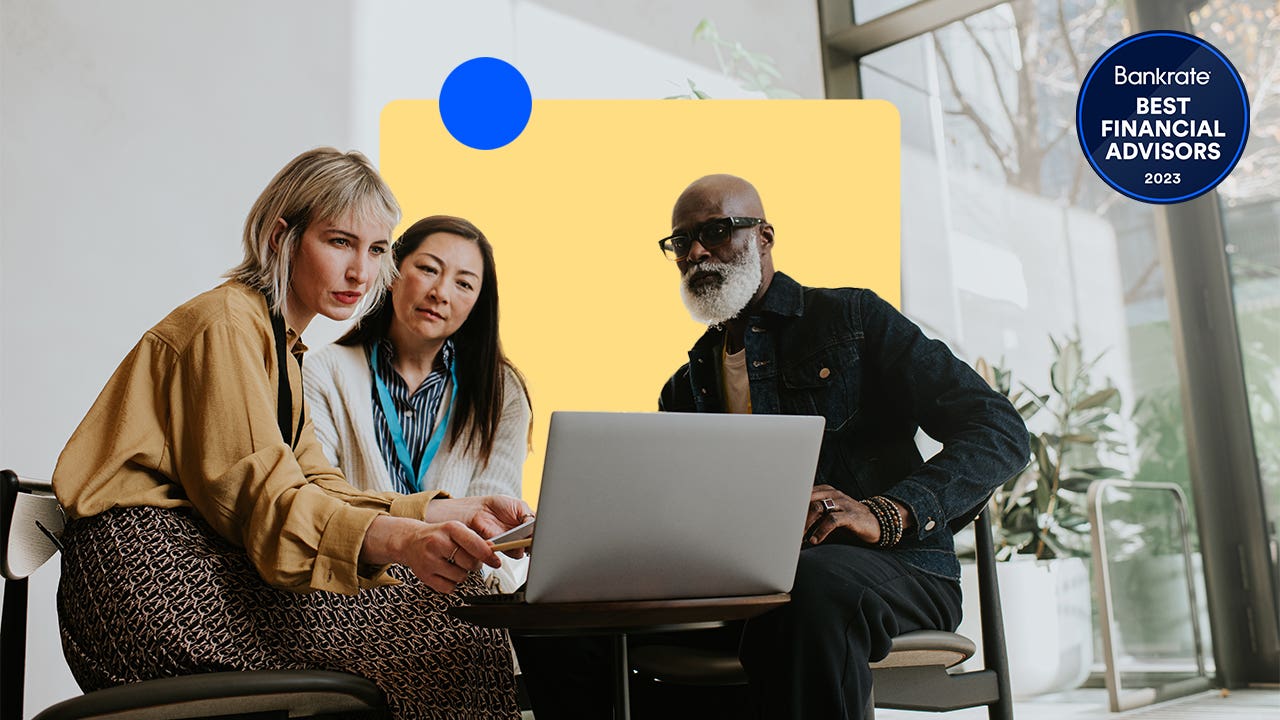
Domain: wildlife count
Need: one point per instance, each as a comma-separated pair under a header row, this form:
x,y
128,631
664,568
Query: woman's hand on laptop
x,y
488,515
440,554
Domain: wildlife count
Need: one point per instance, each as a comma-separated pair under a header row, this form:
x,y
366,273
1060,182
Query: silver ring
x,y
450,558
829,506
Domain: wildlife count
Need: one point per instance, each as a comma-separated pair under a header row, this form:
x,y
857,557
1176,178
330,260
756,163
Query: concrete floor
x,y
1091,704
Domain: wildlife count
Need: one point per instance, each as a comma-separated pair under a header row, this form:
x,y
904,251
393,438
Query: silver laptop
x,y
638,506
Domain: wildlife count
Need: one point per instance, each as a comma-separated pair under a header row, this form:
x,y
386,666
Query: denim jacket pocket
x,y
823,383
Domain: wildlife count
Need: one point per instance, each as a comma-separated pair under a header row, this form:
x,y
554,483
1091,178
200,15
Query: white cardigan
x,y
338,386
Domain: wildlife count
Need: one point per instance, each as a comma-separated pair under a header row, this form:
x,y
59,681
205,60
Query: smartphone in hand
x,y
519,532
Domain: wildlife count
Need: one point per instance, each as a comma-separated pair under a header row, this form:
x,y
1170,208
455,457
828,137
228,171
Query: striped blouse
x,y
417,411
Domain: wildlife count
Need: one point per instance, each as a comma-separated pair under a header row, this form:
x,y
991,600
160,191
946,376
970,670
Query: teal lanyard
x,y
397,433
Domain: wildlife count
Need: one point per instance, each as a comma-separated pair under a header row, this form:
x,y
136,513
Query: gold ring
x,y
450,558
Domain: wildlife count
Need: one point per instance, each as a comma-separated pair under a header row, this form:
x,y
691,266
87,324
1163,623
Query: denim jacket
x,y
849,356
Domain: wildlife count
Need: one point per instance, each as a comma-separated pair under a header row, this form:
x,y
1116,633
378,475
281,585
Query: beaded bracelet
x,y
898,524
886,514
897,528
890,521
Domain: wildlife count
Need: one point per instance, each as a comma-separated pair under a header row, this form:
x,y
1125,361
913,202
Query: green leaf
x,y
1018,539
986,372
1021,520
1028,409
1042,497
1097,399
1041,400
1040,440
704,30
1047,468
1077,483
1113,403
1100,472
1080,438
1078,524
1065,370
1003,378
1016,490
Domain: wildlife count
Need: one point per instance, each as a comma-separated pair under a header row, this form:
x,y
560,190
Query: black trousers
x,y
808,659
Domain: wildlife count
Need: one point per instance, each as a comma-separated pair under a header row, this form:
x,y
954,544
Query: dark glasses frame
x,y
676,247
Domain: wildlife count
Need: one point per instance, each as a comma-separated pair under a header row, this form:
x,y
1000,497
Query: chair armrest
x,y
24,546
299,692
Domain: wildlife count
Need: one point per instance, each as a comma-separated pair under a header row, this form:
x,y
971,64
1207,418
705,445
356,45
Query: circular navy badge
x,y
1162,117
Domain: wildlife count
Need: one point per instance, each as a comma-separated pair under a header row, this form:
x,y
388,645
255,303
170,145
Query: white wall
x,y
134,136
785,30
406,48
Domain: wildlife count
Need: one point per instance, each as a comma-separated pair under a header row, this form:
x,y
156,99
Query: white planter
x,y
1047,622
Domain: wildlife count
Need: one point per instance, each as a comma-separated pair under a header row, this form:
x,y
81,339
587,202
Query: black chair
x,y
914,675
30,521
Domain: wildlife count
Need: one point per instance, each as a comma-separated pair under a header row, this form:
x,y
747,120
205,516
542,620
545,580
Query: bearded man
x,y
877,557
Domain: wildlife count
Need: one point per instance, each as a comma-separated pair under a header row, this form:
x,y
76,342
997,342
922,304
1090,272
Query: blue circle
x,y
485,103
1162,117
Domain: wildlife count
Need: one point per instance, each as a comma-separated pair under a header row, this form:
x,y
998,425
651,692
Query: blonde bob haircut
x,y
319,185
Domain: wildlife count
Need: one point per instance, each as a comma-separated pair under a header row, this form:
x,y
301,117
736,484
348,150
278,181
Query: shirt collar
x,y
294,340
444,361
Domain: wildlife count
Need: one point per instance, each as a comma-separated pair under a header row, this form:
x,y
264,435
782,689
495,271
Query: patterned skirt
x,y
148,593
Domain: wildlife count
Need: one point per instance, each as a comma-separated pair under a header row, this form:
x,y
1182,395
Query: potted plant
x,y
1041,511
1041,524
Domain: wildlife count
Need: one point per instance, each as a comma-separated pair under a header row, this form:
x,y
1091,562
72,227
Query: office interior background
x,y
134,135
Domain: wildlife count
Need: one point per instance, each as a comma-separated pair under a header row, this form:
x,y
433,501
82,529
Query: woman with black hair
x,y
419,395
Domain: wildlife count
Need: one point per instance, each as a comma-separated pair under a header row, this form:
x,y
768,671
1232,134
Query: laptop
x,y
640,506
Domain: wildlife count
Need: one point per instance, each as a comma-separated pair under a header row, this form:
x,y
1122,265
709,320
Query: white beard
x,y
715,303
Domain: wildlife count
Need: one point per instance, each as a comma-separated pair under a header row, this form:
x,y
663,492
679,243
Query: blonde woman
x,y
206,529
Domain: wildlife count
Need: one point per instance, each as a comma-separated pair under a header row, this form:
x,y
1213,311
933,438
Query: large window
x,y
1010,239
1011,244
1249,32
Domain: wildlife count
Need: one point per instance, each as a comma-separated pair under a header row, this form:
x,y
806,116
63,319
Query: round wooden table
x,y
615,619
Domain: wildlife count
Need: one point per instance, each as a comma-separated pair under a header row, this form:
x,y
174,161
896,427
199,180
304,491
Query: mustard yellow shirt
x,y
189,420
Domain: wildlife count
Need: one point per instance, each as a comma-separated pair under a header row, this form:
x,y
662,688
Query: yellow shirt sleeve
x,y
300,527
189,419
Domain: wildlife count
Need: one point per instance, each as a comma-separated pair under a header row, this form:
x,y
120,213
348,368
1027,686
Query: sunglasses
x,y
711,234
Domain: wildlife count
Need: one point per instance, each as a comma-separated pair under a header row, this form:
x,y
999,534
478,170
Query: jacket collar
x,y
784,298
